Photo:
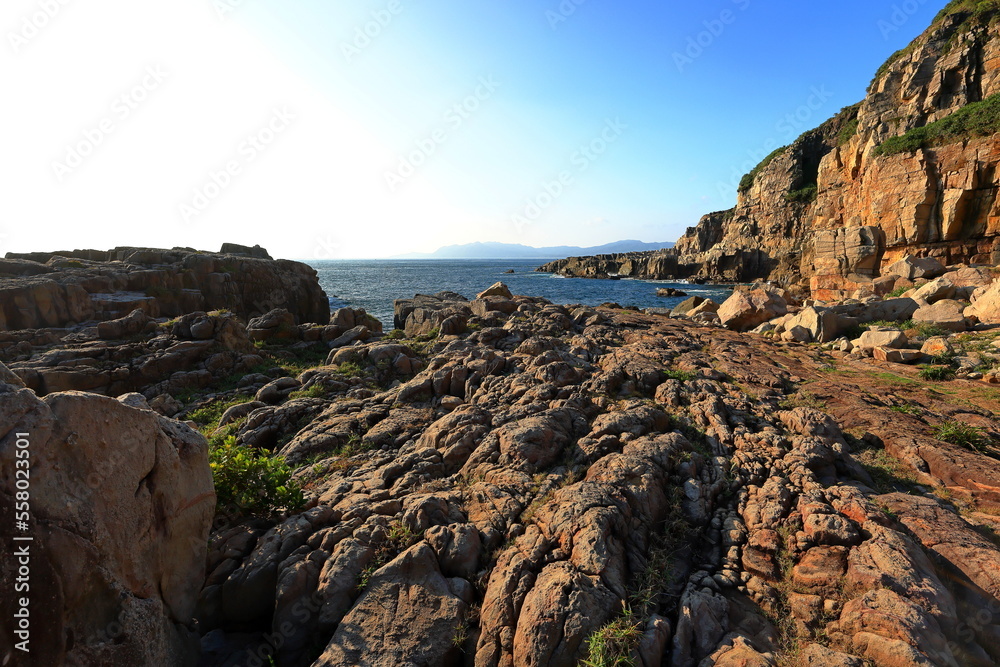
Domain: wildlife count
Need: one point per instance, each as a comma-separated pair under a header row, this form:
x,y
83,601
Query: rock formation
x,y
39,290
121,502
519,494
836,208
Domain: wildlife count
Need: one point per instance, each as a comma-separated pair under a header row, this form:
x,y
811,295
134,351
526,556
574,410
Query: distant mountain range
x,y
518,251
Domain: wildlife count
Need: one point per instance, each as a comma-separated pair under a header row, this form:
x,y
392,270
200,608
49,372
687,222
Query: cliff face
x,y
55,289
831,210
939,201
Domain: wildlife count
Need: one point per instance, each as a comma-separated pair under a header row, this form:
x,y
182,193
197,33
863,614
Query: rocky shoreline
x,y
519,482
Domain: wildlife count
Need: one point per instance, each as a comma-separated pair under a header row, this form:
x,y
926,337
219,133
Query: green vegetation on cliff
x,y
979,119
978,12
848,131
748,179
803,195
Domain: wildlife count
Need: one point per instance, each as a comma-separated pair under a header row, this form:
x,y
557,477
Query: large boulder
x,y
947,314
882,337
685,307
912,268
986,305
121,505
745,310
823,325
130,325
276,324
496,289
890,310
420,630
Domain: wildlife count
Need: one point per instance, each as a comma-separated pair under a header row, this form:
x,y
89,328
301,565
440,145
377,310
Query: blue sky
x,y
544,123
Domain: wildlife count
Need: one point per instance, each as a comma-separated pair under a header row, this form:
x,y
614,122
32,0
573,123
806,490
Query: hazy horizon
x,y
371,131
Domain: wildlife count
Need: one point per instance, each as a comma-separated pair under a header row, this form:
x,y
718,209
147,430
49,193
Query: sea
x,y
375,284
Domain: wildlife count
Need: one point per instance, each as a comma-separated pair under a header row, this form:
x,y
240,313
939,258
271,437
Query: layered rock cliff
x,y
70,287
839,204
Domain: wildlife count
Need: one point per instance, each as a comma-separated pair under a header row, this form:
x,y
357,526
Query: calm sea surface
x,y
374,284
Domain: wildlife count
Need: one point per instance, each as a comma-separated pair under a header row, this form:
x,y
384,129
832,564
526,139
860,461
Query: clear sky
x,y
338,128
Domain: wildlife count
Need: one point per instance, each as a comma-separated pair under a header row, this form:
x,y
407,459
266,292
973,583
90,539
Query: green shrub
x,y
936,373
612,644
315,391
680,376
748,179
978,119
395,334
847,132
248,482
898,292
963,435
208,416
977,8
350,369
803,195
927,329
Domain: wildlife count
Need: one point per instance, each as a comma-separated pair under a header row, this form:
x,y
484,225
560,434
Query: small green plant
x,y
429,336
315,391
350,369
888,474
208,416
898,292
803,195
963,435
906,409
396,334
847,132
927,329
803,399
249,482
680,376
612,644
936,373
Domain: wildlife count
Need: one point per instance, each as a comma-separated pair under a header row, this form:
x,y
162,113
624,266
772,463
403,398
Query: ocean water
x,y
375,284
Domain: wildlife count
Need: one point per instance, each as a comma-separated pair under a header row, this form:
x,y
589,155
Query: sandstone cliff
x,y
833,209
57,289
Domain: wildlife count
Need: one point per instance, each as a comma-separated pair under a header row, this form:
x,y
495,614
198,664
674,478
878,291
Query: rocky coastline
x,y
520,482
201,465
